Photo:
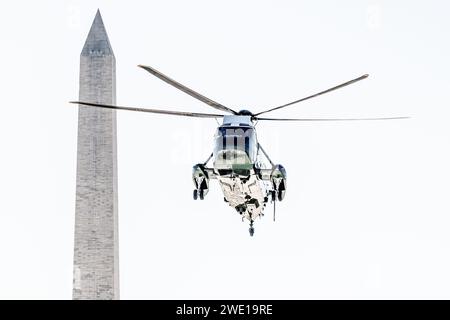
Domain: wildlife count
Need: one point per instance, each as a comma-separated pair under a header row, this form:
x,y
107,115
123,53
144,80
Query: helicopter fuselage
x,y
247,182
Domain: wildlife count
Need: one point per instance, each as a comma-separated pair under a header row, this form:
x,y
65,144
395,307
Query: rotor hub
x,y
244,112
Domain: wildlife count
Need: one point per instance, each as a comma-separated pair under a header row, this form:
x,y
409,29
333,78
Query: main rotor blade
x,y
330,119
174,113
316,95
185,89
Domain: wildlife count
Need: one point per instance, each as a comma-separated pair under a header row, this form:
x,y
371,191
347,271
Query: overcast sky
x,y
366,213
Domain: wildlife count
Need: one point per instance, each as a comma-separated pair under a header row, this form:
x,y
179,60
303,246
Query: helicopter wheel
x,y
201,194
251,230
195,194
280,197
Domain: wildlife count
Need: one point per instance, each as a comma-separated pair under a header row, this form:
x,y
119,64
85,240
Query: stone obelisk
x,y
96,259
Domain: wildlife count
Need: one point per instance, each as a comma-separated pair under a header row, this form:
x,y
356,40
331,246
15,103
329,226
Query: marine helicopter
x,y
247,176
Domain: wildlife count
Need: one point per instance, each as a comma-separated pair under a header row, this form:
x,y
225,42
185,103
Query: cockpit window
x,y
235,147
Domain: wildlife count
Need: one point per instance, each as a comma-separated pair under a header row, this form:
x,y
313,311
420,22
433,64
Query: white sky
x,y
366,214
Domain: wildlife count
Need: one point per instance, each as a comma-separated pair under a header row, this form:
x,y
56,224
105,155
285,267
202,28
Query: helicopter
x,y
247,176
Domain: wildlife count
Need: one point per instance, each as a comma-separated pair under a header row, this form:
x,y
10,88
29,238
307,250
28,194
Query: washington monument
x,y
96,259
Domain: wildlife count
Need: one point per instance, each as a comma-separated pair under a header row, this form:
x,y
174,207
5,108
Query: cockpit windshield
x,y
235,147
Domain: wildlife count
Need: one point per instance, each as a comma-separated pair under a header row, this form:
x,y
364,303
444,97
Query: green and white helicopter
x,y
248,178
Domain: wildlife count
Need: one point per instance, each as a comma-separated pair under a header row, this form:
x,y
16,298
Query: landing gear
x,y
275,195
280,196
251,230
278,178
199,194
201,181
